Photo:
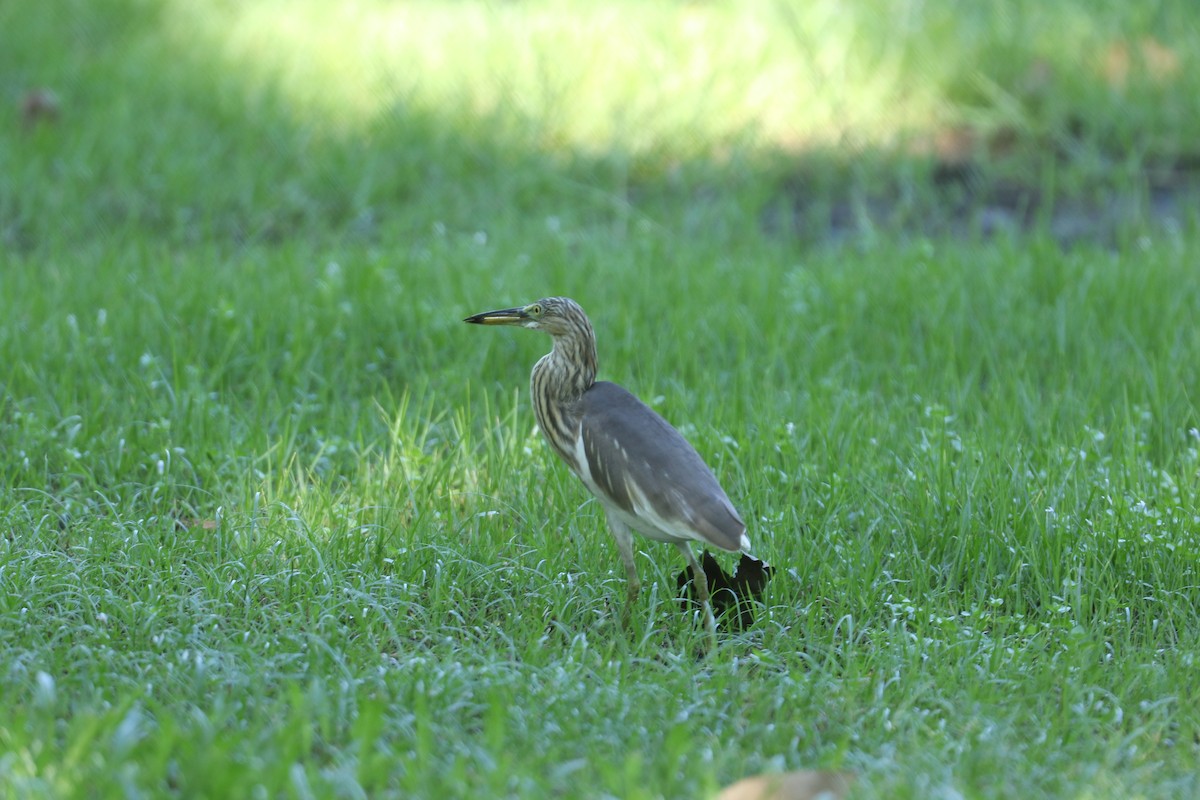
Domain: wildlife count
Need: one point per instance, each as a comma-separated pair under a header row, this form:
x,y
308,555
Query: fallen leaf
x,y
804,784
1148,56
187,523
38,106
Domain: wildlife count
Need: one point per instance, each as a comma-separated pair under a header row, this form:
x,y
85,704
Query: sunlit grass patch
x,y
701,79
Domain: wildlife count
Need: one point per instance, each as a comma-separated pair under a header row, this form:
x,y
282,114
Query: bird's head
x,y
557,316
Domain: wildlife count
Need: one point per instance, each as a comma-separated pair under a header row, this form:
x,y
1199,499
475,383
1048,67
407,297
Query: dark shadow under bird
x,y
733,597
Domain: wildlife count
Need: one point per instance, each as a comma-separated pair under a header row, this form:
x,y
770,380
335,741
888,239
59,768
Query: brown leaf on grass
x,y
1146,56
187,523
1161,62
804,784
38,106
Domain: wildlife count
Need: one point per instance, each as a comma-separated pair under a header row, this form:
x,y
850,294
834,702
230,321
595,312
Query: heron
x,y
646,475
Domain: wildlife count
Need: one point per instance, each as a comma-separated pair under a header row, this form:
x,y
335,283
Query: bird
x,y
646,475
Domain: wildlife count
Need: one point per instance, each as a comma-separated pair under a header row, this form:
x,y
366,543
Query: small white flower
x,y
45,688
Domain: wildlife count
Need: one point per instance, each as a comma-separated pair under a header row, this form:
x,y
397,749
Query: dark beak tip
x,y
503,316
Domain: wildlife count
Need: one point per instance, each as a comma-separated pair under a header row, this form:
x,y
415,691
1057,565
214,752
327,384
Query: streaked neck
x,y
571,365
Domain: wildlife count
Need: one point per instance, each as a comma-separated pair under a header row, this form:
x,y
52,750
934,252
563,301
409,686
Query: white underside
x,y
644,518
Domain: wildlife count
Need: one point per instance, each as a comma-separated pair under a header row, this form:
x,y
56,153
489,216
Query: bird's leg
x,y
633,584
701,581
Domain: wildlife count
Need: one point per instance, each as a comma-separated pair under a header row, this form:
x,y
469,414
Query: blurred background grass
x,y
266,120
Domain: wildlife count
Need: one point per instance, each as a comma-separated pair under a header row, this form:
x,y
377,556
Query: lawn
x,y
275,523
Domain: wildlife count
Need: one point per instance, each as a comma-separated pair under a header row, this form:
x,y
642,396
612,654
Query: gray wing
x,y
647,469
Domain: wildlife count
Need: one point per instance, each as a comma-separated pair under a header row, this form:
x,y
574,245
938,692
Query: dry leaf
x,y
805,784
39,105
187,523
1147,55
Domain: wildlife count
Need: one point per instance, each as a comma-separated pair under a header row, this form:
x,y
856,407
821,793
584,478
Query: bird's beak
x,y
505,316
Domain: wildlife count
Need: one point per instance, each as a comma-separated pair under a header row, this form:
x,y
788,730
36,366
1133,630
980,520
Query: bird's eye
x,y
535,310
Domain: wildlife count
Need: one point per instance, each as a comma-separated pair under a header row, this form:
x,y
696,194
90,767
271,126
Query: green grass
x,y
274,522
